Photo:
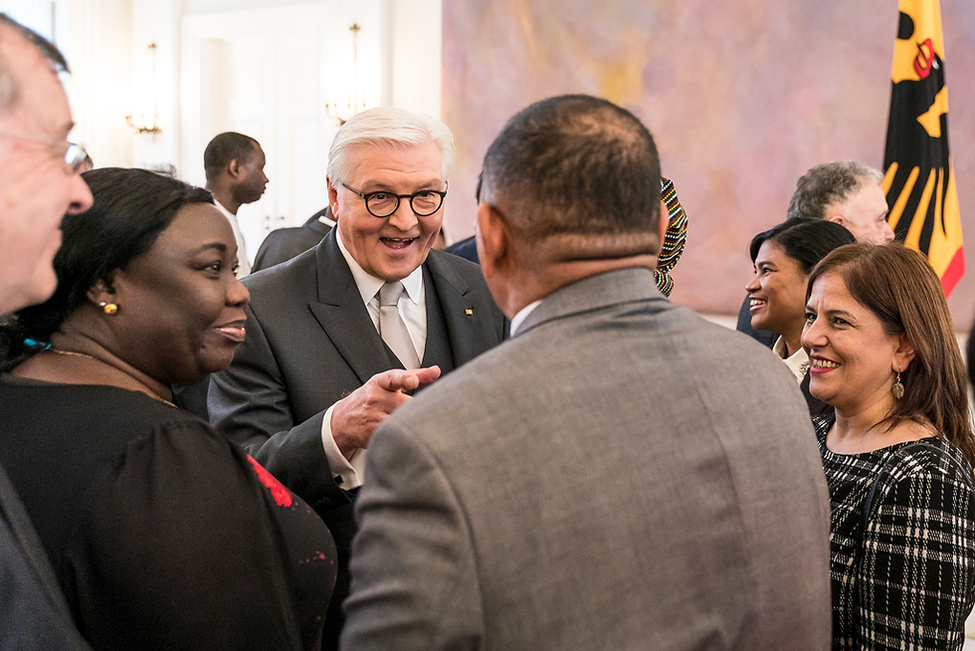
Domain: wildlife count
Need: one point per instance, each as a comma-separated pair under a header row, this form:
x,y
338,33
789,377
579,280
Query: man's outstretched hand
x,y
356,416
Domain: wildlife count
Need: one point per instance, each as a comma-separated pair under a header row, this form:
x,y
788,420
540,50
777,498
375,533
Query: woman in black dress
x,y
898,453
163,534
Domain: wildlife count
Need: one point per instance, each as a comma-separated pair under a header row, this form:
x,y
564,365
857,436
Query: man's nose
x,y
80,196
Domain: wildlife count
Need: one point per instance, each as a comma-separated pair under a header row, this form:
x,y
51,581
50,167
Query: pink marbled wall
x,y
742,97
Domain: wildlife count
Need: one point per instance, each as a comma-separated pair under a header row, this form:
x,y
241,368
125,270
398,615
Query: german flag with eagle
x,y
919,180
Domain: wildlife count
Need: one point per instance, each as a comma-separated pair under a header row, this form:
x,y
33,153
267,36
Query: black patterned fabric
x,y
907,579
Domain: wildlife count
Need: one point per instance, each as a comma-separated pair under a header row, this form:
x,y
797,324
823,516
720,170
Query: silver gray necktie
x,y
392,328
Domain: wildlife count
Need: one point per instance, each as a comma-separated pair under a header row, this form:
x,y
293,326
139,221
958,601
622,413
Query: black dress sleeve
x,y
187,544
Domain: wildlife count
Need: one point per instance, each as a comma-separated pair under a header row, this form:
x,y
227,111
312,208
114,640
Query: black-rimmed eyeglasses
x,y
74,155
382,204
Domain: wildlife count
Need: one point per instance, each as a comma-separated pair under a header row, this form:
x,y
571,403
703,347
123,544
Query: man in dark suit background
x,y
317,371
285,243
620,474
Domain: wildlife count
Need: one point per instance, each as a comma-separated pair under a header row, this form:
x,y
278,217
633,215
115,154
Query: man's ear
x,y
333,198
235,170
493,240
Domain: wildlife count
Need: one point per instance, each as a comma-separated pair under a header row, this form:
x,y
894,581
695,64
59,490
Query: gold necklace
x,y
72,353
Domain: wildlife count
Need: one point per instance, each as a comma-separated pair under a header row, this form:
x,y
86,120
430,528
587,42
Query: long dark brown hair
x,y
902,290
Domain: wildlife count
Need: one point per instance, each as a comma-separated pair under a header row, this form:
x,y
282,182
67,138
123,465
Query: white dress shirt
x,y
521,316
243,263
412,307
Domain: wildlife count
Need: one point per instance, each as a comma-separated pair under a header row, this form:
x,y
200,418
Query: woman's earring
x,y
898,388
112,308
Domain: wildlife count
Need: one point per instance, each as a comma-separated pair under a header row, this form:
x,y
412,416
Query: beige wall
x,y
742,97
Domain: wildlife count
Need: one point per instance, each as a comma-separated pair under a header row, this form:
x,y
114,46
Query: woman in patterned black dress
x,y
898,453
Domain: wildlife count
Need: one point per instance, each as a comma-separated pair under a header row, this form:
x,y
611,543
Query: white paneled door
x,y
269,73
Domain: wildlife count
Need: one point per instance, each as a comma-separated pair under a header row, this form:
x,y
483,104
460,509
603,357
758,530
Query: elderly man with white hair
x,y
338,337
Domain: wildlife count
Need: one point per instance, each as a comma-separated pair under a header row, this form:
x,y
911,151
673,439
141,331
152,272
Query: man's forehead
x,y
41,98
375,161
17,49
869,196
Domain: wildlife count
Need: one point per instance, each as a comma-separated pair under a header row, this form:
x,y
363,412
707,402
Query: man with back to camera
x,y
845,192
235,175
337,336
39,183
620,474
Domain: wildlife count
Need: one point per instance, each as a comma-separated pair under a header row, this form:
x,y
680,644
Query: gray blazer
x,y
621,474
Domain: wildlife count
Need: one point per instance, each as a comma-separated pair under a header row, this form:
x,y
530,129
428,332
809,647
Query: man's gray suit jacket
x,y
619,475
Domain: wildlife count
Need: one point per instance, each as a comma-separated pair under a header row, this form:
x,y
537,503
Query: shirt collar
x,y
522,315
223,210
370,285
798,362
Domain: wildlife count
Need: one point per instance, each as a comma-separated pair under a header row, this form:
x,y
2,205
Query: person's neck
x,y
793,341
225,197
856,422
861,429
76,359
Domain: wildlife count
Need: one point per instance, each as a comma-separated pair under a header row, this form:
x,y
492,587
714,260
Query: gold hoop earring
x,y
108,308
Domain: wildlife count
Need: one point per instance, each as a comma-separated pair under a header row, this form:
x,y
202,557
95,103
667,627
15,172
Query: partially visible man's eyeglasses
x,y
74,155
382,204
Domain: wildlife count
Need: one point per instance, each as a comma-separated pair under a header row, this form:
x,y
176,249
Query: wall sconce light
x,y
149,103
340,112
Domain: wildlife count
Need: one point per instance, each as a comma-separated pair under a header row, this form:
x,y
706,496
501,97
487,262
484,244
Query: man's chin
x,y
40,288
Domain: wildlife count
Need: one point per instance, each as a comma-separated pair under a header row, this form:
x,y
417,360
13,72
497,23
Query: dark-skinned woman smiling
x,y
783,257
163,533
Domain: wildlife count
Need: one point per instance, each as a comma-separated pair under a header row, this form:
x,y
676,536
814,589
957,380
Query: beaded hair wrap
x,y
674,238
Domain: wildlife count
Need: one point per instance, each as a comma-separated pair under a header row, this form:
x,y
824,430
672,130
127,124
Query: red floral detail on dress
x,y
280,494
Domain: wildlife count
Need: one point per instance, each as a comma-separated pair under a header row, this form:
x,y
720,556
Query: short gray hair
x,y
387,127
828,184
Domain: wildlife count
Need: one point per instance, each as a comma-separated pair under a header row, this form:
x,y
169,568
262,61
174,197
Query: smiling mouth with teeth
x,y
756,301
823,363
396,242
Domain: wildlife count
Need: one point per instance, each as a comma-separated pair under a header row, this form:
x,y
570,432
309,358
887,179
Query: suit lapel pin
x,y
469,312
